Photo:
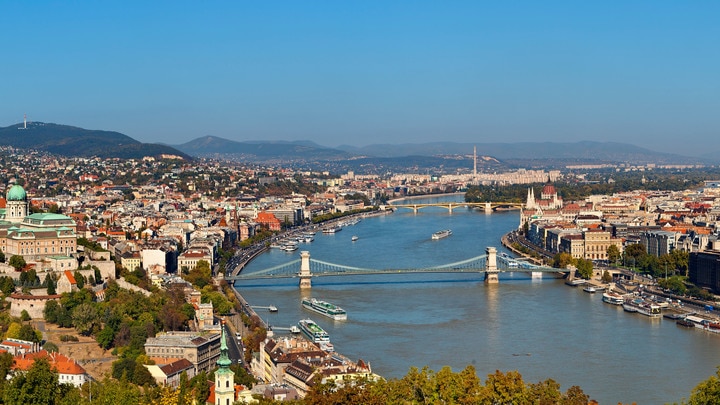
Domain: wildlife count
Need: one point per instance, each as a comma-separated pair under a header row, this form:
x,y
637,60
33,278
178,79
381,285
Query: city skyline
x,y
361,73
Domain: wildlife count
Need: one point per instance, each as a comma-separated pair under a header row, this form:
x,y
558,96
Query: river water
x,y
541,328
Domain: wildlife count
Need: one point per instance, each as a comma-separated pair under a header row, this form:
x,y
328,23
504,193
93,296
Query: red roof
x,y
70,277
59,362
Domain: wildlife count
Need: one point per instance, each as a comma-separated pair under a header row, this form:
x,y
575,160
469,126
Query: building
x,y
704,270
169,374
69,371
202,349
34,236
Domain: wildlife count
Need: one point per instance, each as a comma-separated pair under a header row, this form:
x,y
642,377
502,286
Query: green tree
x,y
25,316
707,392
613,254
562,260
51,347
17,262
39,385
584,268
79,279
7,285
50,285
2,257
85,318
606,277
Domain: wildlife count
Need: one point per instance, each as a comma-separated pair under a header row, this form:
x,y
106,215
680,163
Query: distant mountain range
x,y
73,141
256,151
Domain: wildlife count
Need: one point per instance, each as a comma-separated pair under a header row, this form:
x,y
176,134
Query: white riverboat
x,y
642,307
441,234
613,298
316,334
324,308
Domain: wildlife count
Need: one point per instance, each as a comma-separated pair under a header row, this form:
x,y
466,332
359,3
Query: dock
x,y
270,308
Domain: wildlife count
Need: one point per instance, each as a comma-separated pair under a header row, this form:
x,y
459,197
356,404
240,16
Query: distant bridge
x,y
488,207
306,268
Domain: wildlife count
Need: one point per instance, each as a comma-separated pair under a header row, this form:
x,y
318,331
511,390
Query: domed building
x,y
35,236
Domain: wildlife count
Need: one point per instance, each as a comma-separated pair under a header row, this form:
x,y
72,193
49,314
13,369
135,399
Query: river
x,y
542,328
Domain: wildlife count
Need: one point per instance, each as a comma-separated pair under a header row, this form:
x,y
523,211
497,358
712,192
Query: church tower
x,y
224,377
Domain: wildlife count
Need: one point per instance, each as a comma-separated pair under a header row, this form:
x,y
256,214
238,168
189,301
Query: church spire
x,y
224,361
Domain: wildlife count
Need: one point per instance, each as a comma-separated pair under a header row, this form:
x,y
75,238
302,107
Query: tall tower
x,y
224,377
475,161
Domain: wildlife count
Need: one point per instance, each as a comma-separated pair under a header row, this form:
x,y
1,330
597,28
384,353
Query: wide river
x,y
541,328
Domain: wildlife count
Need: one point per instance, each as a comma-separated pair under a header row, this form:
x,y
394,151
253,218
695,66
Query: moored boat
x,y
590,289
613,298
441,234
332,229
315,333
684,322
324,308
642,307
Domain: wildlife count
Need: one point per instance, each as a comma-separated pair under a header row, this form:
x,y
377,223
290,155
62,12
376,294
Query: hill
x,y
73,141
260,150
585,151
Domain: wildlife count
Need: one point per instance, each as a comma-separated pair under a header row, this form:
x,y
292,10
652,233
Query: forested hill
x,y
73,141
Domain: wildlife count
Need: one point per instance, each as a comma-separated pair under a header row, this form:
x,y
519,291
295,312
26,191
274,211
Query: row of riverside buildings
x,y
661,221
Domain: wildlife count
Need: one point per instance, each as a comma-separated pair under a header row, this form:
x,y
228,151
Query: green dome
x,y
16,193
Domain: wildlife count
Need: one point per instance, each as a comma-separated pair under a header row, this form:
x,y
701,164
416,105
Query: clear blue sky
x,y
362,72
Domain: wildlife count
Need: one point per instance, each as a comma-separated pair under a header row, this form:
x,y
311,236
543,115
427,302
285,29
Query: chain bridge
x,y
306,268
488,207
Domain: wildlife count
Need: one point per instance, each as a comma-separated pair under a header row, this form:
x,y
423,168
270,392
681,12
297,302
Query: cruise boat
x,y
324,308
613,298
640,306
590,289
441,234
316,334
332,229
354,238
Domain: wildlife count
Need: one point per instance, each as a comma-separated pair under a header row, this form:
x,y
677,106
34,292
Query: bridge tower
x,y
491,270
488,208
305,270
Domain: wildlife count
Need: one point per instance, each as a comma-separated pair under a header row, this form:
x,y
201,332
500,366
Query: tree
x,y
613,253
50,285
2,257
25,316
606,277
17,262
584,268
7,285
51,347
38,386
79,279
562,260
707,392
85,318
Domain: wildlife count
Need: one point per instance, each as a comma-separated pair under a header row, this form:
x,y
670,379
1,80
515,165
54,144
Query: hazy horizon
x,y
361,73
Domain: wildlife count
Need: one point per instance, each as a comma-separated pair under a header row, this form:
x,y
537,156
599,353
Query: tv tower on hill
x,y
24,122
475,161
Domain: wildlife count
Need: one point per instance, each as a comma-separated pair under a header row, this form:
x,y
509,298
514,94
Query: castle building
x,y
34,236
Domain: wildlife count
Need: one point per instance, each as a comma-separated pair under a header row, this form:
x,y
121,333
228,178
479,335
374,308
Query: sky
x,y
367,72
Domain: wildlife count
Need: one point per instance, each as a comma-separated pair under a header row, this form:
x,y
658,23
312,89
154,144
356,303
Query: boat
x,y
642,307
332,229
315,333
673,316
272,308
294,330
354,238
613,298
441,234
324,308
684,322
590,289
290,248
